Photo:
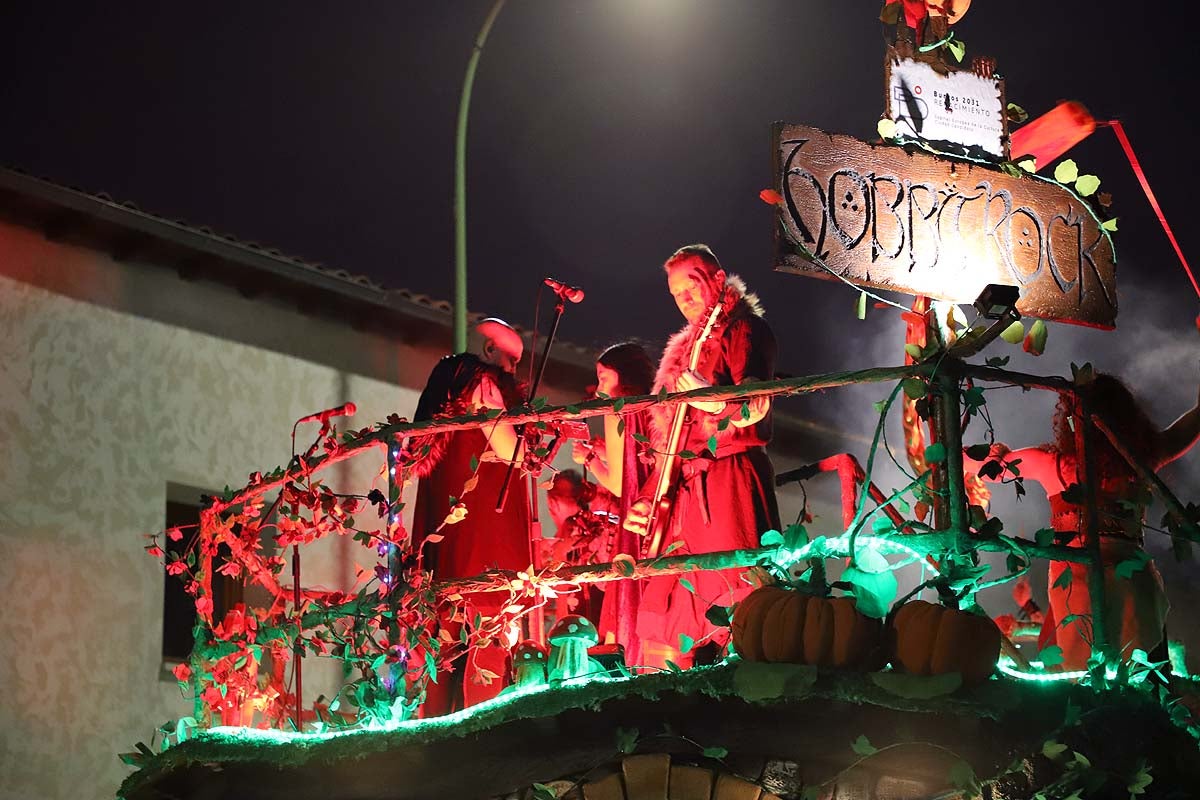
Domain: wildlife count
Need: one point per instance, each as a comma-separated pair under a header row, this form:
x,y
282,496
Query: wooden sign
x,y
880,216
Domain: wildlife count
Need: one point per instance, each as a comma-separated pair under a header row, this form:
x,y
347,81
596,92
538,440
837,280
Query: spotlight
x,y
997,300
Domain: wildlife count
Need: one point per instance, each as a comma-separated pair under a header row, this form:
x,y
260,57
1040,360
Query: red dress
x,y
484,539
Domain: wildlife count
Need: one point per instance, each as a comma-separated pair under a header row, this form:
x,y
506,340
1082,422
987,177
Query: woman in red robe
x,y
482,539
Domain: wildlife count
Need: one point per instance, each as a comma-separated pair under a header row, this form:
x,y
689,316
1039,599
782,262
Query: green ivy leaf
x,y
686,643
712,444
886,129
1051,656
1035,342
718,615
913,351
1066,171
543,792
860,305
1052,749
914,388
686,454
1064,580
1044,537
1109,225
873,591
997,361
627,739
618,404
935,453
771,539
474,463
573,409
539,403
1086,185
1028,164
686,584
1014,333
957,48
715,752
917,687
863,747
978,452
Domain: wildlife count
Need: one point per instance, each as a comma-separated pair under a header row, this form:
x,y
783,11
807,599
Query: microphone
x,y
572,294
344,410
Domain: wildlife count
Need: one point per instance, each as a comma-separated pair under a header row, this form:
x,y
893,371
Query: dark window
x,y
179,607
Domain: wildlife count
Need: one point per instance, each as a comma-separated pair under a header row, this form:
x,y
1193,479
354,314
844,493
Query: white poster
x,y
960,107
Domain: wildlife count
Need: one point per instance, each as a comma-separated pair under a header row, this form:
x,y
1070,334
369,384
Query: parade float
x,y
838,683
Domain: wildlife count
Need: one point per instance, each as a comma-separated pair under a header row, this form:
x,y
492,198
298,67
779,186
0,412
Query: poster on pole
x,y
947,107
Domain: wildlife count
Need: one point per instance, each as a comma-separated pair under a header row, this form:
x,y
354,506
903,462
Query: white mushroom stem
x,y
569,659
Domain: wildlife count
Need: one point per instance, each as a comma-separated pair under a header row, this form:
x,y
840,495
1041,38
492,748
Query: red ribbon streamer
x,y
1115,124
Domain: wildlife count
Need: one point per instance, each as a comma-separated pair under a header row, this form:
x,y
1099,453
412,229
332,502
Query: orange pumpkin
x,y
930,639
782,625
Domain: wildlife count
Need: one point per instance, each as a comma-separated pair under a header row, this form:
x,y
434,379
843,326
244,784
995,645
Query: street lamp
x,y
460,185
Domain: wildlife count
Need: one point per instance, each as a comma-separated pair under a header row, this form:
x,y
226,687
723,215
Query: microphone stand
x,y
537,620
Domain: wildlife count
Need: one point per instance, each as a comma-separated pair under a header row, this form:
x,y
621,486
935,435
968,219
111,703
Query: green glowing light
x,y
840,546
1009,668
240,734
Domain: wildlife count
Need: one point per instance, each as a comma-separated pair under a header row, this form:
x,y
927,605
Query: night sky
x,y
604,134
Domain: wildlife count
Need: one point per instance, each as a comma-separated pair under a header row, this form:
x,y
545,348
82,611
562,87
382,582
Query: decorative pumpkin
x,y
930,639
783,625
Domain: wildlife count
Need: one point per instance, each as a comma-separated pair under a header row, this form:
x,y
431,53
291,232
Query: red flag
x,y
1052,134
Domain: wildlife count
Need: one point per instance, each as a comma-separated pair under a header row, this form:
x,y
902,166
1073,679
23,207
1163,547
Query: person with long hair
x,y
1135,606
622,370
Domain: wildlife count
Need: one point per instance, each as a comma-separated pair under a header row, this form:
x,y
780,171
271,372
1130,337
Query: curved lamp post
x,y
460,186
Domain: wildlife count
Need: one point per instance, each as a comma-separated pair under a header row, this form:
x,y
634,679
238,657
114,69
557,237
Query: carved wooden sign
x,y
880,216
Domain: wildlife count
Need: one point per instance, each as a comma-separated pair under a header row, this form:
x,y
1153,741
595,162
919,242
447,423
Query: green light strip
x,y
240,734
1009,668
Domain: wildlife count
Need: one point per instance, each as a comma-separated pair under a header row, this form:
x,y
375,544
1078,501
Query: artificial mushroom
x,y
529,664
570,639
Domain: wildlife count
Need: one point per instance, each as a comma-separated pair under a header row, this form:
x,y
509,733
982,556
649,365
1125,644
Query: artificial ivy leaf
x,y
917,687
1044,537
715,752
914,388
755,681
887,130
860,305
1052,749
621,427
1140,780
641,437
624,564
686,584
863,747
712,444
997,361
573,409
1014,333
962,776
543,792
913,351
935,453
1134,563
1086,185
771,539
686,643
978,452
618,404
627,740
957,48
1109,224
1066,171
1035,341
686,454
873,591
1064,580
1015,113
718,615
1028,164
1051,656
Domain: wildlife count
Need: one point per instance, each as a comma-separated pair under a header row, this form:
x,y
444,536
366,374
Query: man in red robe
x,y
481,539
725,499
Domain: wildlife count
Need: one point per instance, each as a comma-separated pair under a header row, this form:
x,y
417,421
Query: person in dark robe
x,y
469,537
725,498
622,370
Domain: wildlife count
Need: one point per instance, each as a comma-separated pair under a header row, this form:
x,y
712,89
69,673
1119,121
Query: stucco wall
x,y
101,405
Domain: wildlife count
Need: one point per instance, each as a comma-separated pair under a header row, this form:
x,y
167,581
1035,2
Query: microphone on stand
x,y
572,294
344,410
